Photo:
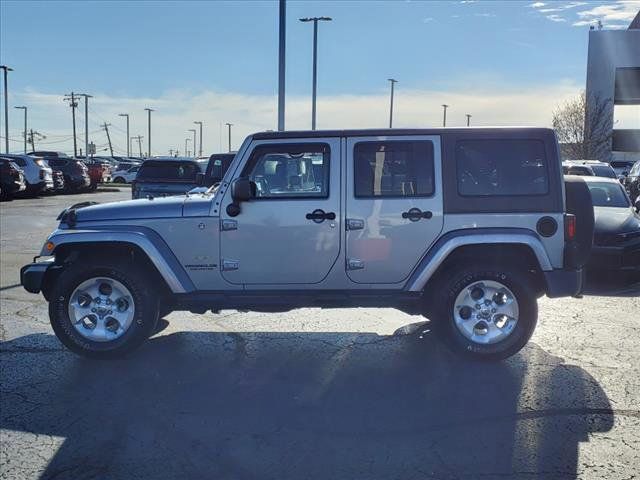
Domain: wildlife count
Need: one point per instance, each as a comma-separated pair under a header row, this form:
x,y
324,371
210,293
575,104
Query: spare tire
x,y
579,203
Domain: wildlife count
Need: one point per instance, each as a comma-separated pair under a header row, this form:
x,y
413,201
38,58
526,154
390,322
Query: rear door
x,y
394,205
289,233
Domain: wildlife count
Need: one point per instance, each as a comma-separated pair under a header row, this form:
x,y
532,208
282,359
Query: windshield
x,y
168,170
603,171
608,195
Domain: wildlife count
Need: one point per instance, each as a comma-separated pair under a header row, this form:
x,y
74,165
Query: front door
x,y
394,205
289,233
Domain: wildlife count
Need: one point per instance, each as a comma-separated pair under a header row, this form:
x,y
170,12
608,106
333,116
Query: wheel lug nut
x,y
493,310
93,310
478,306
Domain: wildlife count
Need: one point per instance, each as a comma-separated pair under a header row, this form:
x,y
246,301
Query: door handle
x,y
319,216
415,214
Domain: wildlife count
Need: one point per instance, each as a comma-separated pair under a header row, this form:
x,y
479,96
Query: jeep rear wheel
x,y
489,313
103,311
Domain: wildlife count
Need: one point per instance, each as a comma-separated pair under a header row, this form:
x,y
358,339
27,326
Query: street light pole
x,y
6,108
128,143
393,82
149,110
25,127
444,118
194,141
282,42
186,142
468,119
315,21
229,125
200,149
86,123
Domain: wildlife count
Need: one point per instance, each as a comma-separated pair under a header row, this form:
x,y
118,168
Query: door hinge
x,y
354,264
354,224
228,265
227,224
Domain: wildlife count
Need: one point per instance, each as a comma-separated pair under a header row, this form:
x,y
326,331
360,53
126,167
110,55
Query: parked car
x,y
217,167
125,175
632,181
75,172
166,177
590,168
37,173
99,171
617,228
622,167
466,226
11,179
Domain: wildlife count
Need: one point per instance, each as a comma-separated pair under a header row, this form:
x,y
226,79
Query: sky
x,y
503,62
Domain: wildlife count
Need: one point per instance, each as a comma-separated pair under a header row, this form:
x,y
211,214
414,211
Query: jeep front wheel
x,y
489,313
103,311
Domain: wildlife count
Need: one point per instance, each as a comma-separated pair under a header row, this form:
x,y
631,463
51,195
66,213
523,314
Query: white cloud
x,y
609,14
427,19
537,5
176,110
486,15
556,18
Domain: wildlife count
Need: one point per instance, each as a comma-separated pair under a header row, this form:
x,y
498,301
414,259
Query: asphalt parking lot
x,y
313,394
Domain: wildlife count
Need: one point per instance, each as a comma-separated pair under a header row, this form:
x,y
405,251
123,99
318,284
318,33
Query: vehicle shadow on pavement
x,y
300,405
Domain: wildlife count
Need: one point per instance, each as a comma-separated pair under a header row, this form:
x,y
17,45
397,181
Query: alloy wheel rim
x,y
101,309
486,312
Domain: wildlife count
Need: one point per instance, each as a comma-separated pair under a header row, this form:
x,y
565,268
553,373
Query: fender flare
x,y
144,238
448,243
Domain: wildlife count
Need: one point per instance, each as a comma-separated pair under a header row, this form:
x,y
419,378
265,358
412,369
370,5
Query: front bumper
x,y
32,275
564,283
622,258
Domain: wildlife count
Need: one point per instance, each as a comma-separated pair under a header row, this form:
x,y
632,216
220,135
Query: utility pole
x,y
139,138
71,97
393,81
444,118
86,123
106,129
194,140
149,110
32,138
25,127
315,64
468,119
229,125
171,152
128,142
282,44
6,108
200,149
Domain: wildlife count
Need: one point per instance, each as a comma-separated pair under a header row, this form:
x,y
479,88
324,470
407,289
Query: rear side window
x,y
499,167
583,171
20,161
393,169
603,171
168,170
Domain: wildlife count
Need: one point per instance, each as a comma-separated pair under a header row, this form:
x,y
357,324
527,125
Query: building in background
x,y
613,74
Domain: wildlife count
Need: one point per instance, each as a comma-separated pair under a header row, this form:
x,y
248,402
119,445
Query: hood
x,y
132,209
613,220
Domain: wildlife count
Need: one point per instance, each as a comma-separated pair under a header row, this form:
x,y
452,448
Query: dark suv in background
x,y
76,176
167,177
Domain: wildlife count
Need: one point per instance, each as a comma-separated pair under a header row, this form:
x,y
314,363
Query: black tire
x,y
455,280
133,278
119,180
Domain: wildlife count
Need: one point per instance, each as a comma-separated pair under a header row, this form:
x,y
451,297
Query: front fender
x,y
144,238
439,252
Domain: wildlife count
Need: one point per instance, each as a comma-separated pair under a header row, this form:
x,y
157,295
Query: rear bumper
x,y
32,275
564,283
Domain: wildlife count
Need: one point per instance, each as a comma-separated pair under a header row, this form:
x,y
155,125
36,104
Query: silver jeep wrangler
x,y
465,226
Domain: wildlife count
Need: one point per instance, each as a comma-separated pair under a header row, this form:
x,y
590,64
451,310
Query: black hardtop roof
x,y
397,131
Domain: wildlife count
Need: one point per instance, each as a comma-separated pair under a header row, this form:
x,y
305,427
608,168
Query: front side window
x,y
393,169
501,168
290,171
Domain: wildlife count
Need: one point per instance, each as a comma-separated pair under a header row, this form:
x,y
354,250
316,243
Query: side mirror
x,y
200,179
242,189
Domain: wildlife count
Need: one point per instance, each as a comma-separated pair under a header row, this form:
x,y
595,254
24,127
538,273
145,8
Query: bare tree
x,y
584,128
